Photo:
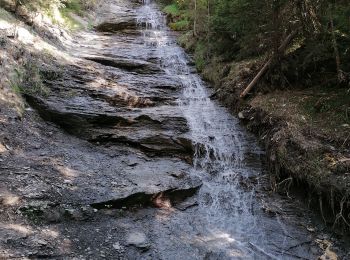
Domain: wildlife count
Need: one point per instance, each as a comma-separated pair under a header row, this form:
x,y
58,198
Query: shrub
x,y
181,25
28,80
172,10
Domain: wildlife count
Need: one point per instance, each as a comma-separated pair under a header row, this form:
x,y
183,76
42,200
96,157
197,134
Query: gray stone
x,y
117,246
138,239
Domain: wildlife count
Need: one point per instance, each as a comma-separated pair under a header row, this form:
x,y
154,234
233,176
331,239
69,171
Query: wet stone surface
x,y
130,159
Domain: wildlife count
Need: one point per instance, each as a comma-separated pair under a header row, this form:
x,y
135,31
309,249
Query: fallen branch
x,y
268,64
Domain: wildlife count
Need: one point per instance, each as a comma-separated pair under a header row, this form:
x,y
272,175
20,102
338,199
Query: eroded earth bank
x,y
121,154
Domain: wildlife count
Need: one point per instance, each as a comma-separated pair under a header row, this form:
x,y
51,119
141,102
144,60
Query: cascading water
x,y
227,222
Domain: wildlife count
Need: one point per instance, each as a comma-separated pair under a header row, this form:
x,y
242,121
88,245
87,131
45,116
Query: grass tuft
x,y
28,80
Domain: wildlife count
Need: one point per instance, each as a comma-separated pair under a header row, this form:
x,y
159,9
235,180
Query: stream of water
x,y
228,222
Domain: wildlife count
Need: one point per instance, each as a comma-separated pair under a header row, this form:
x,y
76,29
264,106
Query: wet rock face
x,y
134,65
117,16
163,199
115,95
118,144
116,25
118,100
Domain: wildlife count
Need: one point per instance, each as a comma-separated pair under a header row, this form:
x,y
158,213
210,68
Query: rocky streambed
x,y
130,159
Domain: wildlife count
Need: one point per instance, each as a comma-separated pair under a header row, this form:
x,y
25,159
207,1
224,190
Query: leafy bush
x,y
172,10
200,55
73,6
181,25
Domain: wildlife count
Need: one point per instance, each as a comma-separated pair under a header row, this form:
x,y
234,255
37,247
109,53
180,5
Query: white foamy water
x,y
228,222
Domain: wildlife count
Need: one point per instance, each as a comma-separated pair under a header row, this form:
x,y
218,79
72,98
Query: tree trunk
x,y
208,28
312,13
340,73
195,19
268,64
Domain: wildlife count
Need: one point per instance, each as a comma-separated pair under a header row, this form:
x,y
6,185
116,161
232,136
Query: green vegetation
x,y
200,56
36,5
65,7
181,25
78,6
236,30
69,20
172,10
28,80
72,7
75,5
178,17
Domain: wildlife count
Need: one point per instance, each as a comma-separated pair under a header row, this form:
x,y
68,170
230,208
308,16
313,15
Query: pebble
x,y
41,242
68,182
117,246
138,239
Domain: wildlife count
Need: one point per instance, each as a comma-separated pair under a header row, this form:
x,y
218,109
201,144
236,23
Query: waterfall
x,y
227,214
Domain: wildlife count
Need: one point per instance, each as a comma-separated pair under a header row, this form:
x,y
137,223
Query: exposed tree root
x,y
340,215
285,185
321,207
332,201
